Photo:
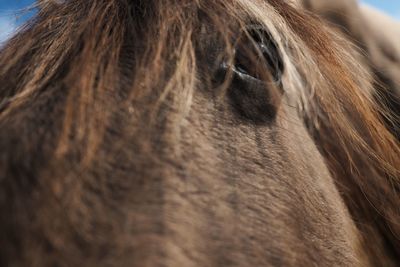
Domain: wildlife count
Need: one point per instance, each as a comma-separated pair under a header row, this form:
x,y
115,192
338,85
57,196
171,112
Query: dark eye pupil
x,y
258,55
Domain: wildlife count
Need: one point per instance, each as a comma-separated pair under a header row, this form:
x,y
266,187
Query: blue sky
x,y
391,7
11,15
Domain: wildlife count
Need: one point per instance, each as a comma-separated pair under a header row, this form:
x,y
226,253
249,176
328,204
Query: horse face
x,y
237,180
173,143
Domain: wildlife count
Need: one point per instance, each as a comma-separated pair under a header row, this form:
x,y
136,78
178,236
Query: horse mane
x,y
101,55
362,154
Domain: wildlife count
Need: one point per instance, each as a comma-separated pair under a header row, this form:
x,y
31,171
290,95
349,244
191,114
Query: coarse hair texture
x,y
82,48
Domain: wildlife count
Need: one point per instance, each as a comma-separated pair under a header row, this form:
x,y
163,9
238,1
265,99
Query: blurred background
x,y
15,12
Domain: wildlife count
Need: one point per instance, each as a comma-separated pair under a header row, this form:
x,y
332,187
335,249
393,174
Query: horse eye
x,y
257,55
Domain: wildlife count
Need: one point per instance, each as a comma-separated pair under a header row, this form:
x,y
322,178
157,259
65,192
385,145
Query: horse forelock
x,y
83,46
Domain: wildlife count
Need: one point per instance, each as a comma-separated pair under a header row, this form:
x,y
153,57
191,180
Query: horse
x,y
192,133
380,48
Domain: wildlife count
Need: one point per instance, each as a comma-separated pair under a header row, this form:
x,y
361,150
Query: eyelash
x,y
258,56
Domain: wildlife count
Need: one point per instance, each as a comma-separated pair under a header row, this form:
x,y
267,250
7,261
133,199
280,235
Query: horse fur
x,y
118,149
